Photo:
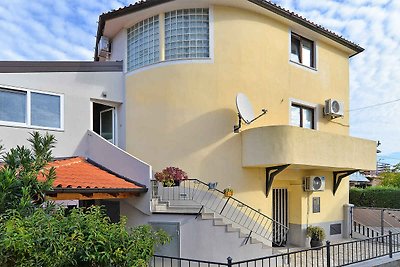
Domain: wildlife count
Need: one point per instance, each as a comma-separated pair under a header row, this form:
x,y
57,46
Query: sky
x,y
66,29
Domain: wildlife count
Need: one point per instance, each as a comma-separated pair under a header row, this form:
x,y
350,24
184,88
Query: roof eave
x,y
97,190
302,21
262,3
121,12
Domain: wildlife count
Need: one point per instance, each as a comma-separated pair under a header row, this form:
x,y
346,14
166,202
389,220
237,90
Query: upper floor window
x,y
302,51
187,34
26,108
302,116
143,43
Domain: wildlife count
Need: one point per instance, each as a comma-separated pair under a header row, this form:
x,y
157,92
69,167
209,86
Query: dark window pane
x,y
295,50
45,110
308,118
12,106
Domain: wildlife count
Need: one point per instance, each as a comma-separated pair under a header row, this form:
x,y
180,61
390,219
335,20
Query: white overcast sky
x,y
66,29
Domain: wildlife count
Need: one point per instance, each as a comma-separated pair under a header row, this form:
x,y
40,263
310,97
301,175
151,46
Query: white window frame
x,y
27,124
315,52
313,106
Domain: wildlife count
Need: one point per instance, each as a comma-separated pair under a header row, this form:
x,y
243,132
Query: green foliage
x,y
377,196
316,233
19,187
34,232
390,179
83,238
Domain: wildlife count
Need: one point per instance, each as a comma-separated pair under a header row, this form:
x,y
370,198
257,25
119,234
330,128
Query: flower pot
x,y
316,243
171,184
228,194
212,186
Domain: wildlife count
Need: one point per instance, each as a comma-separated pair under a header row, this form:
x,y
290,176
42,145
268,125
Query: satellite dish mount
x,y
245,111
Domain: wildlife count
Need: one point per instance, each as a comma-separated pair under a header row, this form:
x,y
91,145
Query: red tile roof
x,y
79,173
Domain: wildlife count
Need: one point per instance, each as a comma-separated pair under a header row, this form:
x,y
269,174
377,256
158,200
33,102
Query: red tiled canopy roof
x,y
80,174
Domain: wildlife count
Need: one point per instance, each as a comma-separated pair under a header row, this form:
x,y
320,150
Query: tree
x,y
33,232
391,178
19,187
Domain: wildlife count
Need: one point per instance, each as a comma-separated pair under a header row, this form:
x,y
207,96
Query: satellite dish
x,y
244,108
245,111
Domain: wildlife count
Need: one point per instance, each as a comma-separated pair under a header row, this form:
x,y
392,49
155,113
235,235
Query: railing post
x,y
229,261
390,245
328,253
382,222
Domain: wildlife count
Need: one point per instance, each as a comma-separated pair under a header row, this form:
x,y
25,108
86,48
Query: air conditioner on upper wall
x,y
104,47
314,183
333,108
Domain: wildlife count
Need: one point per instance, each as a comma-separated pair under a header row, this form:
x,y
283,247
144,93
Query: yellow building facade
x,y
181,112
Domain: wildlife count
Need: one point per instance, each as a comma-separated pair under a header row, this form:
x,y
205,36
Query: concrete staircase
x,y
191,207
235,228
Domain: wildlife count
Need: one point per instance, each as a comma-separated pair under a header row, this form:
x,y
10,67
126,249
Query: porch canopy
x,y
78,178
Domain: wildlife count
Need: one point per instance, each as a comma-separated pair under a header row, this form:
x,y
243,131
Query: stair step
x,y
219,221
255,241
207,216
230,228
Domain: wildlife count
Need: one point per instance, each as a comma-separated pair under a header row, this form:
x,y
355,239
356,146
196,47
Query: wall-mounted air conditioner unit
x,y
333,108
314,183
104,48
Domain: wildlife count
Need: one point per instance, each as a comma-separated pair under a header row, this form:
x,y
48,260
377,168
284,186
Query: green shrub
x,y
35,232
82,238
377,197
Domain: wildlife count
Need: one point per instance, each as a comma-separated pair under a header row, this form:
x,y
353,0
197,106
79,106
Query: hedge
x,y
377,197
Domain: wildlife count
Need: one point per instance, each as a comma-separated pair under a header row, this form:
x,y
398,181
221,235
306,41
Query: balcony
x,y
305,149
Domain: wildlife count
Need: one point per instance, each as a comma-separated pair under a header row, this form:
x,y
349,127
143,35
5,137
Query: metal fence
x,y
370,222
329,255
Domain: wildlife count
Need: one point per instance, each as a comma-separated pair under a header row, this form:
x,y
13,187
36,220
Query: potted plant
x,y
317,235
171,176
212,185
228,192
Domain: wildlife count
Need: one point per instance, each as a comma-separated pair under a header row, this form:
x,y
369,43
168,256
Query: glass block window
x,y
143,43
187,34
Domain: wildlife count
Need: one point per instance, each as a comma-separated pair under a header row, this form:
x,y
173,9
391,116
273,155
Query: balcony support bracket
x,y
270,174
338,176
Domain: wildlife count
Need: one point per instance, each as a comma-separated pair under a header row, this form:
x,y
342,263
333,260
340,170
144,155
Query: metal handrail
x,y
230,208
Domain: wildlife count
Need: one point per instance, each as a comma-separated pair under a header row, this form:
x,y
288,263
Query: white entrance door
x,y
107,125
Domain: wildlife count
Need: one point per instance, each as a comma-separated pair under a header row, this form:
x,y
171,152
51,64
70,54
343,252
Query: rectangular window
x,y
12,106
45,110
302,116
187,34
302,51
26,108
143,43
